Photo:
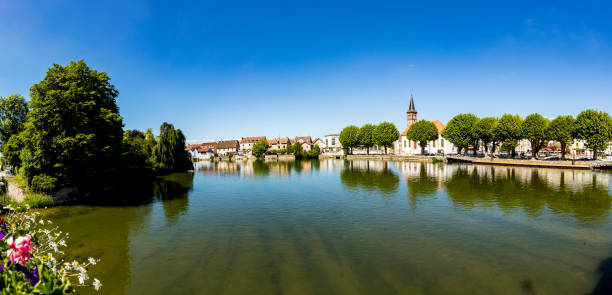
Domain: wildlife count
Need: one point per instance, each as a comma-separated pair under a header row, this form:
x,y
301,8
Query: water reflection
x,y
371,176
423,180
173,191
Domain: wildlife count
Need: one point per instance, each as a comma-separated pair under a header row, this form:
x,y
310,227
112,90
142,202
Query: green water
x,y
352,227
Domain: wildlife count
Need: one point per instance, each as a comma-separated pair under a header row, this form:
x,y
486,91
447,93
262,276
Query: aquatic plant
x,y
32,257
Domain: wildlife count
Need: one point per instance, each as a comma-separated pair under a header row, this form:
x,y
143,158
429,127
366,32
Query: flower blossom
x,y
21,249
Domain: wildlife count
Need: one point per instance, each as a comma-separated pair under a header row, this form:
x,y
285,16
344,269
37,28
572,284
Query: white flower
x,y
41,222
62,243
67,266
92,261
97,285
81,279
54,246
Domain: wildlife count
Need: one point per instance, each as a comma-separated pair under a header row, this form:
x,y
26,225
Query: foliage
x,y
295,149
365,136
595,128
38,200
11,150
435,160
74,130
169,153
260,148
3,186
385,134
349,137
137,153
508,131
43,183
35,262
460,130
535,129
484,131
561,129
422,131
13,115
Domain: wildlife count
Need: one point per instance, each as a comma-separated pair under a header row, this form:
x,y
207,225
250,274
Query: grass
x,y
38,200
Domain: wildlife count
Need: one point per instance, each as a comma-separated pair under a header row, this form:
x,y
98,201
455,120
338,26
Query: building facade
x,y
405,147
226,147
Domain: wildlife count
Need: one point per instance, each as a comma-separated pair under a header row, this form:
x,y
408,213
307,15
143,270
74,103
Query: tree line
x,y
70,134
464,130
261,147
368,136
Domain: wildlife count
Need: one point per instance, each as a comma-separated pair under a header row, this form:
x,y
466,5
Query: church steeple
x,y
411,103
411,114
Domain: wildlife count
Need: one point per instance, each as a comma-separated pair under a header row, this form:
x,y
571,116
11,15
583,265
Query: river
x,y
351,227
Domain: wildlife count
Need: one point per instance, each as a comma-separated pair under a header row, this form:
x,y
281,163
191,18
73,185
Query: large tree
x,y
484,132
423,132
74,132
13,115
595,128
260,148
169,153
561,129
349,137
365,136
460,131
508,131
535,129
385,134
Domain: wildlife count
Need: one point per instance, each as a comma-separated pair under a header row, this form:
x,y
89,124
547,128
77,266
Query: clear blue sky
x,y
227,69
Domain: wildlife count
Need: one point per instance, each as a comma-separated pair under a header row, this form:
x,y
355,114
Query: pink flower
x,y
21,249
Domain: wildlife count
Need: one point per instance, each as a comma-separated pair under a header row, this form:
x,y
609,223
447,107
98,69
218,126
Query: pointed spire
x,y
411,103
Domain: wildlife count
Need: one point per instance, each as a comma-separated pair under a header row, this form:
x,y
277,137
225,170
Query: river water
x,y
351,227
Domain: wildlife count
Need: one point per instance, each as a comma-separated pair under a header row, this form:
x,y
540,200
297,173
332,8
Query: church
x,y
405,147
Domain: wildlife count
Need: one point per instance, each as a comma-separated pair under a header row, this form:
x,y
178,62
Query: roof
x,y
210,144
283,140
316,139
411,108
252,139
226,144
438,124
303,138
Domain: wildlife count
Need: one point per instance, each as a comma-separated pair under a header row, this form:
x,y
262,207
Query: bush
x,y
43,183
3,186
435,160
35,200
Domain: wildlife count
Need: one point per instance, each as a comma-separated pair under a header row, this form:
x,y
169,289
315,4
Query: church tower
x,y
411,114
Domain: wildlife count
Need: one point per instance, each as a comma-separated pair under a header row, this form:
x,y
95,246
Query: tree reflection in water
x,y
370,176
582,194
173,191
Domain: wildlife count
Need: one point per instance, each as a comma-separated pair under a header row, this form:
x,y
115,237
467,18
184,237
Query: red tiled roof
x,y
252,139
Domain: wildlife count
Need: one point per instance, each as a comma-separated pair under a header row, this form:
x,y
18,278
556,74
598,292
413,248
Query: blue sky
x,y
227,69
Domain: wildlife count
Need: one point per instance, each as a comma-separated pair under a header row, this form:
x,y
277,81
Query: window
x,y
334,141
442,142
434,143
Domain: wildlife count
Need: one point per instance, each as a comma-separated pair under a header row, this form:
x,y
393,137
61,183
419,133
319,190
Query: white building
x,y
332,144
246,143
226,147
405,147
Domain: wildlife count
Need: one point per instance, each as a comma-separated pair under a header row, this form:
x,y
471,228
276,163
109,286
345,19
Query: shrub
x,y
3,186
437,160
43,183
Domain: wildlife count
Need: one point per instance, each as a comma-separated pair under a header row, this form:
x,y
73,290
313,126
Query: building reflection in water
x,y
584,195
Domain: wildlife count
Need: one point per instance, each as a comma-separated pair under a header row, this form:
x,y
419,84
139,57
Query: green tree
x,y
74,131
561,129
349,137
385,134
314,152
422,131
508,132
366,136
260,148
595,128
295,149
535,129
460,131
13,115
169,153
484,132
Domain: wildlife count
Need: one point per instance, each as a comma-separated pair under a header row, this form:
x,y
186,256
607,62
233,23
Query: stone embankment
x,y
566,164
382,157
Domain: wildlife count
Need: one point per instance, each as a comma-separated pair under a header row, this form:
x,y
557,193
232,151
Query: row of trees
x,y
260,148
463,130
71,134
368,136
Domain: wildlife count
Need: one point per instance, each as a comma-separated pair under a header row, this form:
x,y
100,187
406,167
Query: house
x,y
279,143
210,146
200,151
403,146
246,143
226,147
303,139
306,147
320,143
332,144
